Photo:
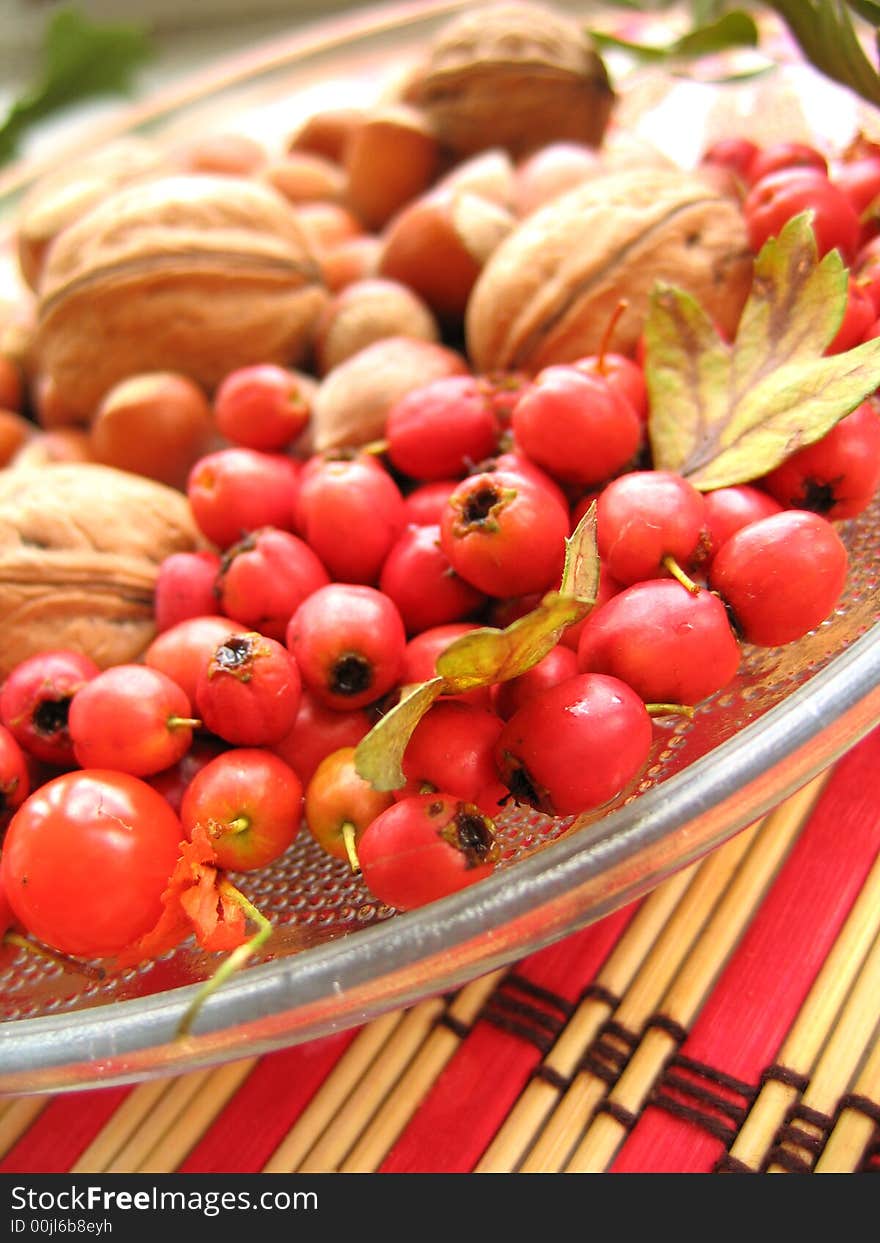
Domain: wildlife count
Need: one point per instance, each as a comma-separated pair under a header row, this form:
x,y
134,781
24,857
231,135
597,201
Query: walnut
x,y
547,294
196,274
62,196
512,75
80,546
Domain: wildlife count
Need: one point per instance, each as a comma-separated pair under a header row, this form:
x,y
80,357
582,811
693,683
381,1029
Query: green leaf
x,y
868,10
81,59
485,656
735,29
826,35
724,414
379,756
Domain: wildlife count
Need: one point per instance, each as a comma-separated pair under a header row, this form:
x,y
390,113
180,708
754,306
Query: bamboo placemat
x,y
729,1022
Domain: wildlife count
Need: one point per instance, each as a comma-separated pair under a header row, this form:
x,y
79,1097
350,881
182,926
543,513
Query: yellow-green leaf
x,y
379,756
725,414
485,656
687,369
794,309
793,407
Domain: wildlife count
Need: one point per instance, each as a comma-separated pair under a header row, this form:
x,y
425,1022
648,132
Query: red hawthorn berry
x,y
502,536
576,745
35,702
836,476
265,577
780,577
348,641
669,645
425,848
248,693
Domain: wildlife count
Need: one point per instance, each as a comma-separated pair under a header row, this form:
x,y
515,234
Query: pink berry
x,y
185,587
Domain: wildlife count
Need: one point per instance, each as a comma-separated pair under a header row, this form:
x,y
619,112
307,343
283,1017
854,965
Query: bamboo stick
x,y
333,1092
18,1116
810,1030
172,1148
854,1130
524,1122
334,1144
170,1106
578,1105
119,1129
400,1106
840,1058
693,982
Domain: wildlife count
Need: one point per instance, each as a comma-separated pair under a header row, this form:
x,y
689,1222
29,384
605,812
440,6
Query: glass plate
x,y
337,958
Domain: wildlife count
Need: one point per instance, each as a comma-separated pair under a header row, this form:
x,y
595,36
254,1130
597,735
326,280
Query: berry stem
x,y
179,722
609,332
236,959
53,956
670,710
349,838
678,573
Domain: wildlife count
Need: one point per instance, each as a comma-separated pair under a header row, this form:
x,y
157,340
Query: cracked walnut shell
x,y
80,547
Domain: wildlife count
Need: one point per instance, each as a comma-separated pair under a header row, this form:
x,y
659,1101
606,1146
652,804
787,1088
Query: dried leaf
x,y
580,573
193,902
725,414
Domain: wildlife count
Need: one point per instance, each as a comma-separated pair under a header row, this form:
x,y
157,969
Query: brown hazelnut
x,y
155,425
15,432
439,245
305,178
229,154
368,311
326,133
550,171
390,159
355,259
